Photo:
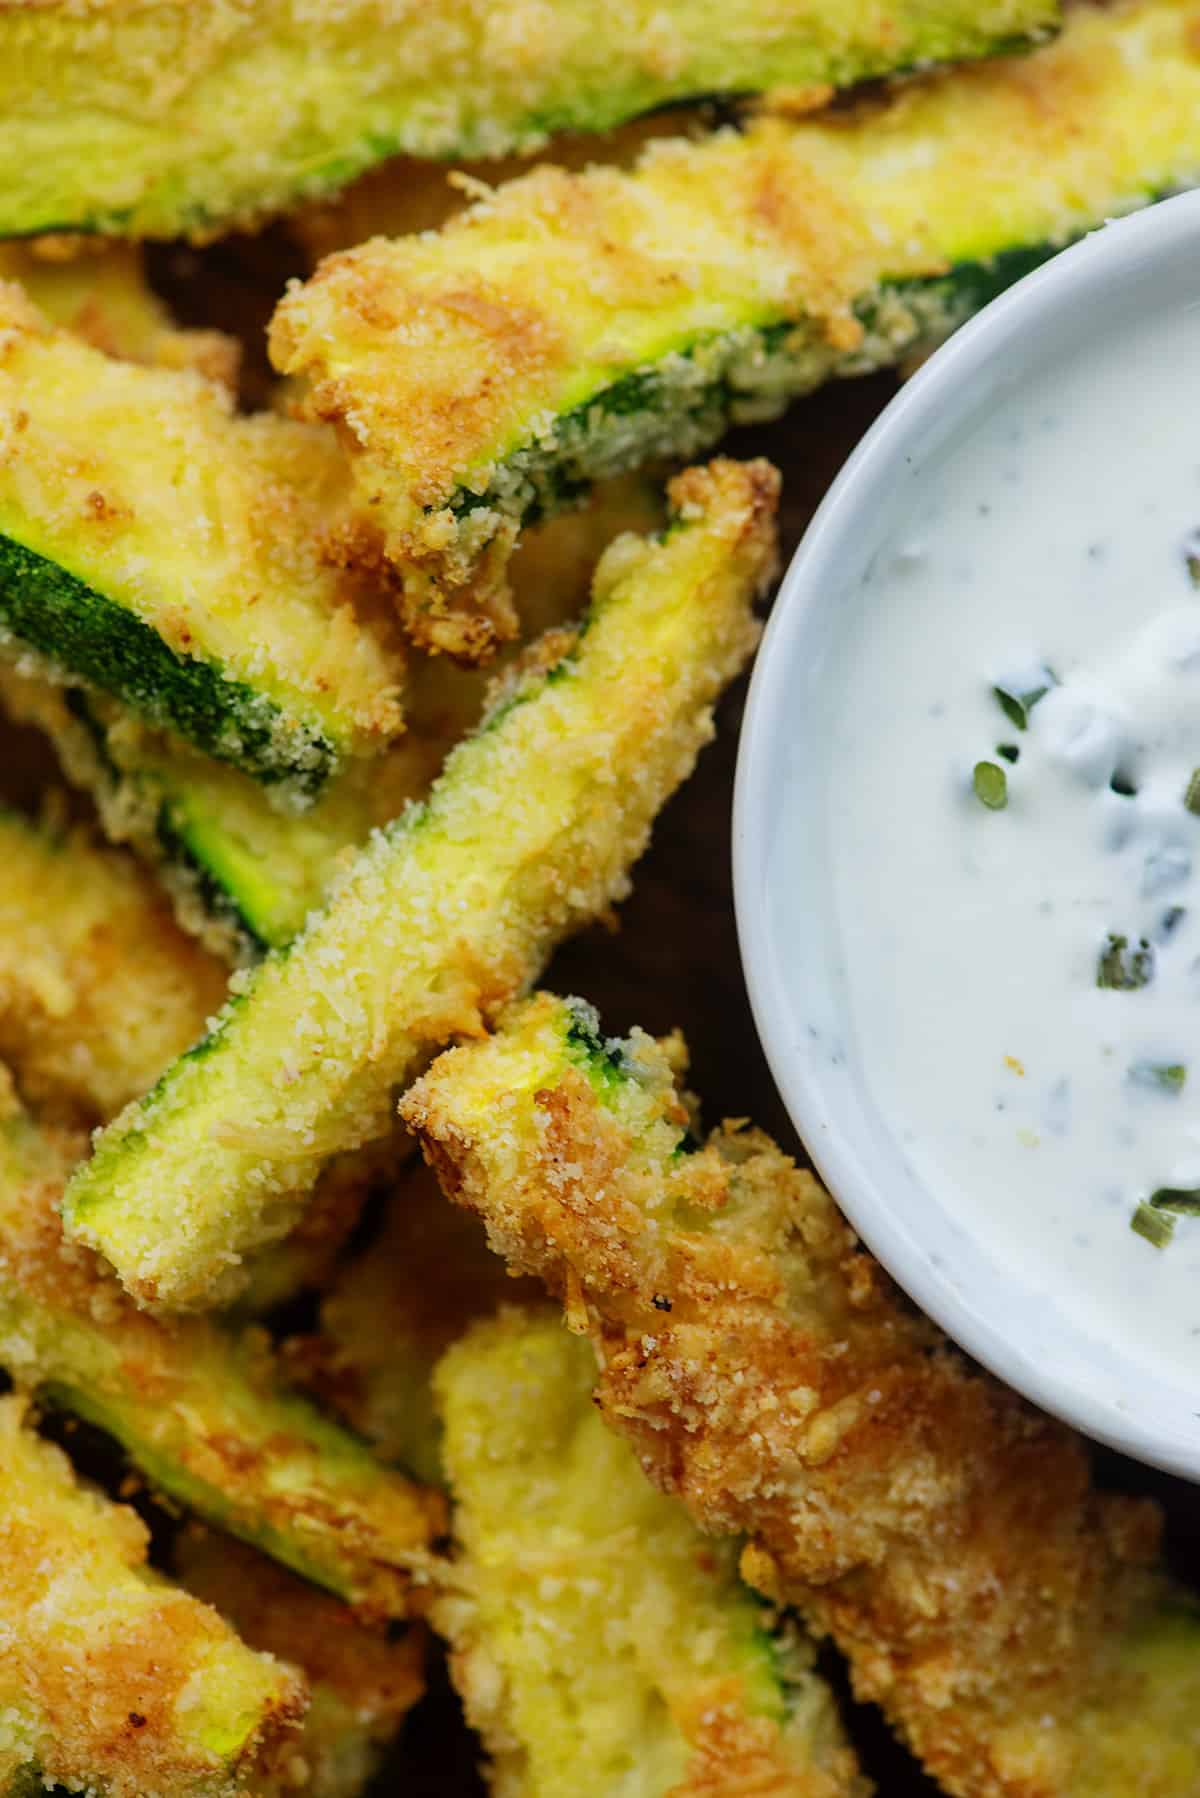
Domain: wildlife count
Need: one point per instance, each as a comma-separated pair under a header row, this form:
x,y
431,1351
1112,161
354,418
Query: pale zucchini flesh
x,y
573,324
201,1410
601,1643
767,1374
111,1680
164,550
529,832
172,118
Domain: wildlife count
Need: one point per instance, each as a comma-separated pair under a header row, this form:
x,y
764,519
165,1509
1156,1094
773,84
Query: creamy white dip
x,y
1041,1107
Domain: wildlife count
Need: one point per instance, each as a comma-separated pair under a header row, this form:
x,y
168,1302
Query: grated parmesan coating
x,y
200,1408
573,324
362,1683
172,117
111,1679
1006,1615
601,1644
212,533
529,833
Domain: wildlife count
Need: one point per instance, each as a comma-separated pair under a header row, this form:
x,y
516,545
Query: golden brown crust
x,y
99,987
105,1670
381,1677
942,1531
212,1415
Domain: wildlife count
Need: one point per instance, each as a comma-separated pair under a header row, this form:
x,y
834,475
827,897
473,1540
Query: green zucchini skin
x,y
621,315
529,830
50,610
618,1706
200,1408
684,404
287,101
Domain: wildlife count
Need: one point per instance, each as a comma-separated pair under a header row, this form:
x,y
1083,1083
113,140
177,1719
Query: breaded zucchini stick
x,y
1005,1615
104,297
99,987
361,1683
572,325
391,1314
241,870
100,990
111,1680
179,118
201,1410
162,549
600,1642
529,832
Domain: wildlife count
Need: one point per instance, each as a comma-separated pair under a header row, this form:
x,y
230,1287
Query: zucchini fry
x,y
111,1680
392,1313
572,325
529,833
166,551
177,119
104,297
99,988
201,1411
1006,1616
600,1642
241,871
361,1684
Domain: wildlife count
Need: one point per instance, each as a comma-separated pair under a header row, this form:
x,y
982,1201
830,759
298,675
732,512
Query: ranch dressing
x,y
1024,975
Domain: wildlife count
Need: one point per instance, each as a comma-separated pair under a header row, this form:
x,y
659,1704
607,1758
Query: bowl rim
x,y
1133,245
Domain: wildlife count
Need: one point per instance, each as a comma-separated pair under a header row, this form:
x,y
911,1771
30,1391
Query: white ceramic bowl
x,y
789,939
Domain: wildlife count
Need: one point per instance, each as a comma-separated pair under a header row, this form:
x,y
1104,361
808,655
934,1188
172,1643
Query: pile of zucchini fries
x,y
403,1301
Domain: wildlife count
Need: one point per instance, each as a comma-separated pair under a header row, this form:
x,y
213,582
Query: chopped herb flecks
x,y
1157,1227
1017,706
1191,797
1164,1076
1169,923
1181,1201
1123,784
1009,751
991,786
1122,968
1191,556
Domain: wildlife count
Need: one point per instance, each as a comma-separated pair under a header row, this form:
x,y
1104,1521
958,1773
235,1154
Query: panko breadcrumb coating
x,y
569,325
161,548
99,988
529,833
240,870
172,117
1007,1616
600,1642
362,1683
111,1680
201,1409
